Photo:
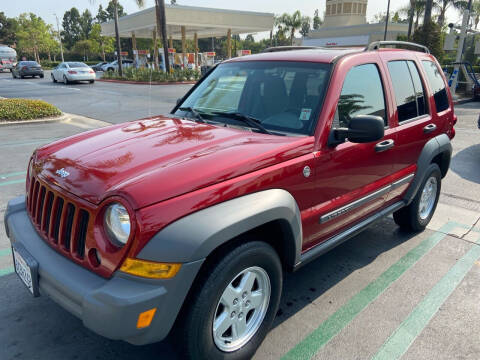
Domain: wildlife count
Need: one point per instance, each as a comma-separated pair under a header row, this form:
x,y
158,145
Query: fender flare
x,y
438,145
197,235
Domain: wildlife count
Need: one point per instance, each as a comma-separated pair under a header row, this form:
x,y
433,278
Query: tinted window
x,y
419,90
408,89
283,95
404,90
362,94
437,85
77,65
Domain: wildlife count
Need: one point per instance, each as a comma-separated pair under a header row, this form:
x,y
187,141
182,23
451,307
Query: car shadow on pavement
x,y
466,163
40,329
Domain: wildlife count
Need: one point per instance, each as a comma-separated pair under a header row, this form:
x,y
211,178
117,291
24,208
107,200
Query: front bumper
x,y
109,307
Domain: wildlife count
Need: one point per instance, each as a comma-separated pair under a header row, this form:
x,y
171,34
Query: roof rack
x,y
398,44
289,48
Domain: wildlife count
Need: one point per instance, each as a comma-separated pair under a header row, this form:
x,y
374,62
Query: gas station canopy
x,y
205,22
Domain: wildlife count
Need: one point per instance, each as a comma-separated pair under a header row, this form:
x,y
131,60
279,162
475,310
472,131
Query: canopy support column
x,y
155,48
184,45
229,43
195,44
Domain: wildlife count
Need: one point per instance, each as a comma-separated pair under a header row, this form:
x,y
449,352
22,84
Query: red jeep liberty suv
x,y
187,222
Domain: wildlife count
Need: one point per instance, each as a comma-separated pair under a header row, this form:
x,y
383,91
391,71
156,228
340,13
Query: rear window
x,y
77,65
408,88
437,85
30,63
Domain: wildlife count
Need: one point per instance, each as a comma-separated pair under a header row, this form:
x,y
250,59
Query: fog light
x,y
150,269
145,318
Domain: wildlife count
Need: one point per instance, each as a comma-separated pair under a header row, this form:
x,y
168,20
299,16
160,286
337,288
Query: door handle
x,y
384,145
429,128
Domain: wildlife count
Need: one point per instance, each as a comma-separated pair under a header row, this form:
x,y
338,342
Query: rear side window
x,y
437,85
362,94
407,85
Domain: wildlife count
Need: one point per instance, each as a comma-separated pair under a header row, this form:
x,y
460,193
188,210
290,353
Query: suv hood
x,y
152,160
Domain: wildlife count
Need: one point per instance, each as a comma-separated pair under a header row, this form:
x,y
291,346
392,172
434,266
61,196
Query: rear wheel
x,y
232,306
13,75
53,78
417,215
91,81
22,76
41,76
65,80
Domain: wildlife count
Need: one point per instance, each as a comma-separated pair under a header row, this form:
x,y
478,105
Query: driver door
x,y
352,179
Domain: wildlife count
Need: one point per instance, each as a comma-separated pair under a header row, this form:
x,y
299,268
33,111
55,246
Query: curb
x,y
85,122
463,101
63,117
148,83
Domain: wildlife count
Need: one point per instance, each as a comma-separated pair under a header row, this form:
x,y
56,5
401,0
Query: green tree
x,y
101,45
34,35
430,35
71,27
442,6
317,21
305,27
86,24
102,15
291,23
121,12
85,48
8,30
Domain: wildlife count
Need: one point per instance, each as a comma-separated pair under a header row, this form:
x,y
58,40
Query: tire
x,y
22,77
91,81
13,75
110,69
194,327
65,80
42,76
416,216
53,78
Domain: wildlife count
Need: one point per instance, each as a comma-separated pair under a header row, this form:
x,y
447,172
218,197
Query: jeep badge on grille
x,y
62,173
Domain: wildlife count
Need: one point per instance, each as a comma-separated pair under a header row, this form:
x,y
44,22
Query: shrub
x,y
24,109
147,75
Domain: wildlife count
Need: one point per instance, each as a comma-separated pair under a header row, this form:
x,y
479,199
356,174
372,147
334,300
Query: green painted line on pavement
x,y
6,271
331,327
404,336
7,175
24,143
5,252
11,182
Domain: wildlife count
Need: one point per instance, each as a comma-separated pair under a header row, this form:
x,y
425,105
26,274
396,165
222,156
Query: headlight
x,y
117,224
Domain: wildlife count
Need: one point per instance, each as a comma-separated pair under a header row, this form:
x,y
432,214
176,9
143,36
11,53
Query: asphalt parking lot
x,y
110,102
382,295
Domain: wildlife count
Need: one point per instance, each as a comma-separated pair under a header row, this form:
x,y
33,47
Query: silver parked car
x,y
73,71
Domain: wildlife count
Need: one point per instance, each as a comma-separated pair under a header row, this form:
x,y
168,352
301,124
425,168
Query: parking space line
x,y
404,336
11,182
5,252
4,176
331,327
6,271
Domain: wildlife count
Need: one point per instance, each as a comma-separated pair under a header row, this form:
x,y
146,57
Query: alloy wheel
x,y
427,200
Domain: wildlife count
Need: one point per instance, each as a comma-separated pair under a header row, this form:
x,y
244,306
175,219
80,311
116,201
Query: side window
x,y
362,94
419,89
409,93
437,85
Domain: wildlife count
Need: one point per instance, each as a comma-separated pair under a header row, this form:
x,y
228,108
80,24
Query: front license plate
x,y
26,268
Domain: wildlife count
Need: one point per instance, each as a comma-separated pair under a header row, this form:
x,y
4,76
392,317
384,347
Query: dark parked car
x,y
27,68
98,67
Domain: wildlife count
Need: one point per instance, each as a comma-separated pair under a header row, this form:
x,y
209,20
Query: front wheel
x,y
41,76
91,81
417,215
232,306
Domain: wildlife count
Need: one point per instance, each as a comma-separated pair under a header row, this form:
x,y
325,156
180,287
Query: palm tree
x,y
443,6
476,13
292,23
162,29
411,13
428,12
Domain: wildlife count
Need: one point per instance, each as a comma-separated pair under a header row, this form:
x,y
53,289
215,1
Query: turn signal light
x,y
150,269
145,318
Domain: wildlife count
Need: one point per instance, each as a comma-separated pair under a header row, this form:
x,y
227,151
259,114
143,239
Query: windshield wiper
x,y
195,113
250,121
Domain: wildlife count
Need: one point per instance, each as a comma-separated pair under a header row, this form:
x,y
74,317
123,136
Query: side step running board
x,y
336,240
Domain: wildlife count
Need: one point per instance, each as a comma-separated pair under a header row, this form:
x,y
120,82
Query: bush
x,y
147,75
431,36
24,109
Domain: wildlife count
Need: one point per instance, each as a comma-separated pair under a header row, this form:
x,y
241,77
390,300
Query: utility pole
x,y
461,41
386,21
59,38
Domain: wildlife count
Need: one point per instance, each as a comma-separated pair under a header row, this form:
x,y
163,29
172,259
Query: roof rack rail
x,y
378,44
289,48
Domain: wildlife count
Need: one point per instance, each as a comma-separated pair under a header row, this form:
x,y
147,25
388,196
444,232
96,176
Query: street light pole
x,y
59,38
386,21
461,41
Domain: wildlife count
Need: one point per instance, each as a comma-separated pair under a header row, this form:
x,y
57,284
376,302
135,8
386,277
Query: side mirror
x,y
362,129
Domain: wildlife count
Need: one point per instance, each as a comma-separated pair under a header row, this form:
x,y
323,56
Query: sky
x,y
47,8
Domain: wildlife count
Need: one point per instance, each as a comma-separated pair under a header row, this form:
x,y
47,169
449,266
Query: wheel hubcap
x,y
427,200
241,309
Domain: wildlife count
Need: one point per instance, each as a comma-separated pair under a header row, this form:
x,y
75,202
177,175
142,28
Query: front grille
x,y
60,221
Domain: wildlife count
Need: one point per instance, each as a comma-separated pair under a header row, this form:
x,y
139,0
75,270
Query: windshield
x,y
283,96
77,65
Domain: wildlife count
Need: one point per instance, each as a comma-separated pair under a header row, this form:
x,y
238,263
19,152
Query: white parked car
x,y
71,71
113,66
